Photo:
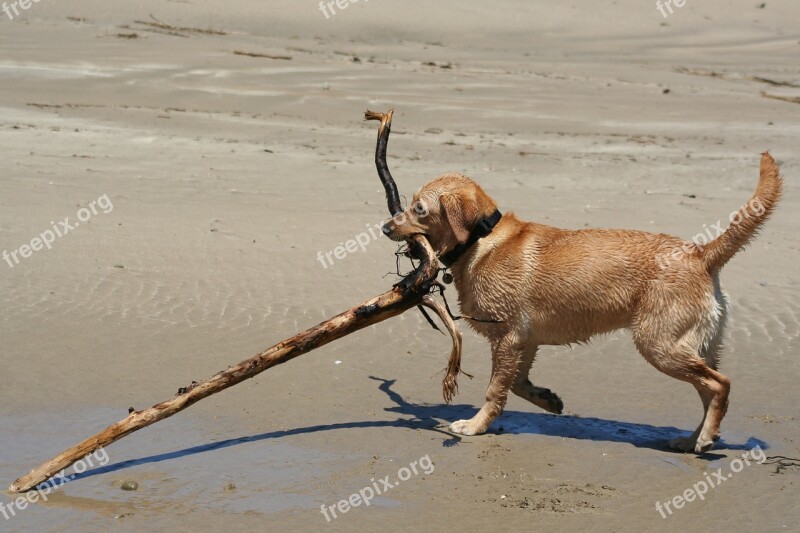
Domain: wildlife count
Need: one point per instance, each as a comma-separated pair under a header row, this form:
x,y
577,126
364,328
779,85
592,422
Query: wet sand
x,y
228,173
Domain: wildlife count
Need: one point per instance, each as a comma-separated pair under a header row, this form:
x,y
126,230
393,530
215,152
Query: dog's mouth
x,y
394,235
407,237
411,236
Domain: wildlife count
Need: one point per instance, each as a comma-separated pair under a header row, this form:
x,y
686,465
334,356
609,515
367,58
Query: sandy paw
x,y
467,427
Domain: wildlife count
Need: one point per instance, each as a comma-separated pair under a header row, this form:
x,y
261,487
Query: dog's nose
x,y
386,229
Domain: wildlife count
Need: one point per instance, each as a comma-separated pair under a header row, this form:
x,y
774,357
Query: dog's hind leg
x,y
506,354
714,389
684,363
522,387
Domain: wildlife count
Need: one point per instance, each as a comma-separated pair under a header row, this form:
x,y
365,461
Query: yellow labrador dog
x,y
527,284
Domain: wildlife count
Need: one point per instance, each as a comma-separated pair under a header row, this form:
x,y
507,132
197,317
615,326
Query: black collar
x,y
482,229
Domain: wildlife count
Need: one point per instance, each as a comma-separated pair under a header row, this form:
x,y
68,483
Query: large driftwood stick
x,y
410,292
386,305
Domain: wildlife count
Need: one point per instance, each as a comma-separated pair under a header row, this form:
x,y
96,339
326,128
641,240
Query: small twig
x,y
163,32
438,286
450,381
429,319
774,83
256,54
164,26
782,462
791,99
729,77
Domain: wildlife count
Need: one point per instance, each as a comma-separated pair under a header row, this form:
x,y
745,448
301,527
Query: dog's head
x,y
445,210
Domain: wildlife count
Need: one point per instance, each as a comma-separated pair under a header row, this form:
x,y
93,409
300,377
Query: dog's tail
x,y
746,223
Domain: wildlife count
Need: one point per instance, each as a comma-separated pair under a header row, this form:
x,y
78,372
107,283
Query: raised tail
x,y
746,223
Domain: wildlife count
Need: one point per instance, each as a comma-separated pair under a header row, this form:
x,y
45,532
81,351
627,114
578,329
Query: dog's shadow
x,y
434,417
568,426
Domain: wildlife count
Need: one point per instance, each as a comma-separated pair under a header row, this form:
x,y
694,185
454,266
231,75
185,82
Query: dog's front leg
x,y
505,356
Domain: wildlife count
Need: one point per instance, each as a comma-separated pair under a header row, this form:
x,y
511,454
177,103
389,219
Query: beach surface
x,y
220,153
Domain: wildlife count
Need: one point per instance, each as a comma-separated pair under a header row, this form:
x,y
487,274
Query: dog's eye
x,y
419,208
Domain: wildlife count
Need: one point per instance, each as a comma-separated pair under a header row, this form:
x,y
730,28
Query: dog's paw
x,y
540,397
549,401
556,406
691,444
702,446
467,427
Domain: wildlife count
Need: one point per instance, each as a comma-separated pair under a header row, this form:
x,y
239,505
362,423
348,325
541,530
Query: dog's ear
x,y
460,213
